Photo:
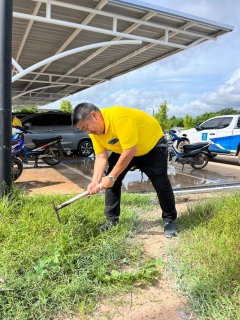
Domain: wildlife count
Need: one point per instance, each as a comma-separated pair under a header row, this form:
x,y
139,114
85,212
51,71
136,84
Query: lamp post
x,y
6,9
153,111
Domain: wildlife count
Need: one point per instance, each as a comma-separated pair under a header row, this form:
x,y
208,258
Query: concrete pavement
x,y
73,175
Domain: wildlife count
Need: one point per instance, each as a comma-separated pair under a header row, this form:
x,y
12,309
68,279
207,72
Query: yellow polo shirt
x,y
131,127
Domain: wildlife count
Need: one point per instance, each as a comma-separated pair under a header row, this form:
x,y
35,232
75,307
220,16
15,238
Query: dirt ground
x,y
160,301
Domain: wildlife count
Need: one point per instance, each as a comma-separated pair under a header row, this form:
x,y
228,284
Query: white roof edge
x,y
170,12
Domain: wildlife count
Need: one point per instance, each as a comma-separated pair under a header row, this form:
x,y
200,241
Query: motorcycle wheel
x,y
201,161
56,154
17,168
170,156
181,144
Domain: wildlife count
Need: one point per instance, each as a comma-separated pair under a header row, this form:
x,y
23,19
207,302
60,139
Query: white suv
x,y
222,131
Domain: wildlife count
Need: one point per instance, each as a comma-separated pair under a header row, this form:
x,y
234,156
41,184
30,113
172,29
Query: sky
x,y
202,79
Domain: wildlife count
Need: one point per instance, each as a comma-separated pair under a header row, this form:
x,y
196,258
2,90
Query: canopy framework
x,y
82,43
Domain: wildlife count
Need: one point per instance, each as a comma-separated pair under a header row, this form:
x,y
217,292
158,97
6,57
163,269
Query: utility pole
x,y
6,10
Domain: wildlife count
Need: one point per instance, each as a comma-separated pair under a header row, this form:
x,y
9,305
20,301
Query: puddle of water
x,y
136,181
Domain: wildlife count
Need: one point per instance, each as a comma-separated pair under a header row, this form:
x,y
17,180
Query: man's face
x,y
93,125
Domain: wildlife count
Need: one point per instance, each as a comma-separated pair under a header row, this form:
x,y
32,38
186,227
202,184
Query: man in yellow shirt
x,y
135,138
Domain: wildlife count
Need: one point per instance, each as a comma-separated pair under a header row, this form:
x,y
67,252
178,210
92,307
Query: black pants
x,y
154,165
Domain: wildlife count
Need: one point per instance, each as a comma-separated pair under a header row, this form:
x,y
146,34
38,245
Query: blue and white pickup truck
x,y
222,131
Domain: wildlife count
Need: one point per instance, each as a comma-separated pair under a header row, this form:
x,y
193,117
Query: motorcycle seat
x,y
194,146
44,141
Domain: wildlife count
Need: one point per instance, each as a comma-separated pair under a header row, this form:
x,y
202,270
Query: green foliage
x,y
206,258
228,111
207,115
188,122
30,109
172,122
162,117
179,122
148,270
66,106
49,269
175,122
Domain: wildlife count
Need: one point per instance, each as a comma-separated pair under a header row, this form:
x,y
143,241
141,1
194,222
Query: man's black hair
x,y
82,111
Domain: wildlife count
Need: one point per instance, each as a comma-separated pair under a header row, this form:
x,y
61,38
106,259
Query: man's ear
x,y
94,114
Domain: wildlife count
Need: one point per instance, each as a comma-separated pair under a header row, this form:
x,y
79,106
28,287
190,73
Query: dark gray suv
x,y
54,123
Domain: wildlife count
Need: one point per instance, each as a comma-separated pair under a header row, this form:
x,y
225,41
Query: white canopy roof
x,y
62,47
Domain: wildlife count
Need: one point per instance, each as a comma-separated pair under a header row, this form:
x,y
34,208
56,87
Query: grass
x,y
206,258
49,269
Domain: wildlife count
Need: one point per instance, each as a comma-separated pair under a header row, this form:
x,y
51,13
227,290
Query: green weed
x,y
49,269
206,259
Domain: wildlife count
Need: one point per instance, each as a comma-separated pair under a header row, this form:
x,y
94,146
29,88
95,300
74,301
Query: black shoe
x,y
169,229
108,224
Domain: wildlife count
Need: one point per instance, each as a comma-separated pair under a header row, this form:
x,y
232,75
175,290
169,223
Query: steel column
x,y
6,9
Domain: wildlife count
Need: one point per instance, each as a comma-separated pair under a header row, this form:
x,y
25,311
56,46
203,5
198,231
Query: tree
x,y
205,116
162,117
188,122
228,111
66,106
30,109
179,122
172,121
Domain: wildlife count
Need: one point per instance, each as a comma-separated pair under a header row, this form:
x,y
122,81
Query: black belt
x,y
161,143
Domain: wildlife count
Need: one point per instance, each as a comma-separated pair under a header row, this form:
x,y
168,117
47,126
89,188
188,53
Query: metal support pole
x,y
6,9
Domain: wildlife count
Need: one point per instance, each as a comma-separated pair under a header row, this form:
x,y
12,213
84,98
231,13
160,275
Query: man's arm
x,y
100,164
120,166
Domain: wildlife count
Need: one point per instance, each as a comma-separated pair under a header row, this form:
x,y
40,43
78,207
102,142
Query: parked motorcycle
x,y
49,150
17,165
195,154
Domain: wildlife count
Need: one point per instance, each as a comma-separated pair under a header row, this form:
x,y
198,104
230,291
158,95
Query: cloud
x,y
203,78
226,96
133,98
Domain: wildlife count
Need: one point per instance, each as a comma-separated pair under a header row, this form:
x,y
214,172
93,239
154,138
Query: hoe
x,y
66,203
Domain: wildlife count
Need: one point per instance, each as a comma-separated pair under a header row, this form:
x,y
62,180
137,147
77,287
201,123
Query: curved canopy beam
x,y
72,51
16,65
36,89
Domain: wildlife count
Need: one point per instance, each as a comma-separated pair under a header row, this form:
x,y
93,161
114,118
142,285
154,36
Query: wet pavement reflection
x,y
74,174
214,174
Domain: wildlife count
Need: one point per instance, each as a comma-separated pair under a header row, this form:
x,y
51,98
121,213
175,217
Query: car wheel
x,y
85,148
181,144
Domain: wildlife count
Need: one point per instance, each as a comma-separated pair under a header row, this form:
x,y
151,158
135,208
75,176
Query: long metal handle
x,y
82,195
66,203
